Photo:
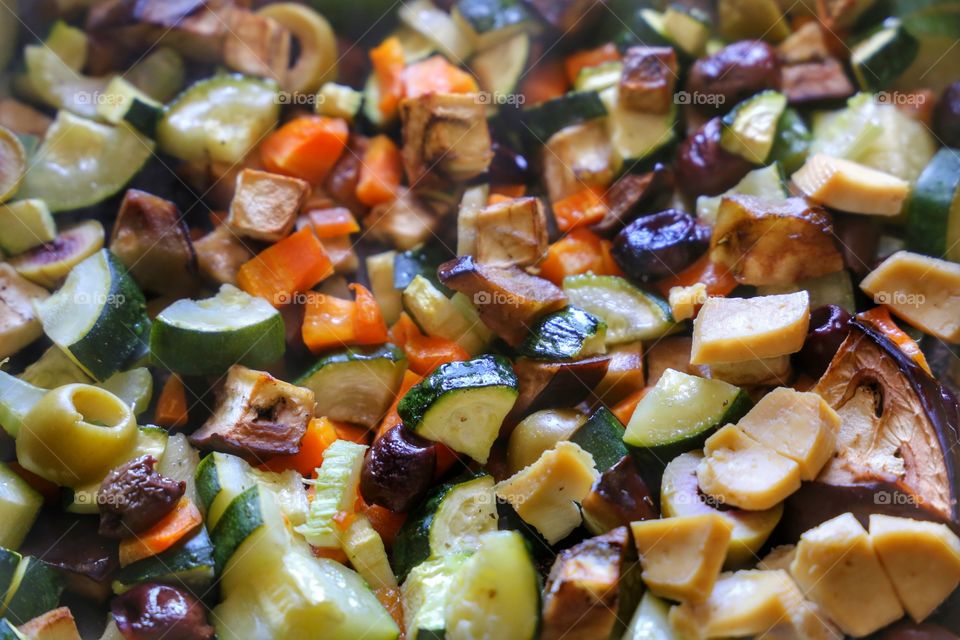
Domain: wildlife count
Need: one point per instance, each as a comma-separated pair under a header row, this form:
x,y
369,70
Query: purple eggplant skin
x,y
155,611
946,118
818,501
703,167
545,385
734,73
621,496
398,470
634,195
829,326
660,245
508,166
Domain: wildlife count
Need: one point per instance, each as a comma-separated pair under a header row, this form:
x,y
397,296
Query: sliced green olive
x,y
13,163
75,434
317,62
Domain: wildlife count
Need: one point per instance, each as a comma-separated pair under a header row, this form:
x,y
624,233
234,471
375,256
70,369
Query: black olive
x,y
735,72
156,611
508,166
829,326
133,497
660,245
703,167
946,119
398,470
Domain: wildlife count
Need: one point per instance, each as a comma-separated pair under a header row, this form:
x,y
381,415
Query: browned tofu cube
x,y
220,254
404,223
445,135
649,76
510,233
257,45
265,205
816,81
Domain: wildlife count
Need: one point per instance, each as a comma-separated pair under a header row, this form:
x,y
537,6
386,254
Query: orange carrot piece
x,y
578,252
718,280
545,81
623,410
580,60
320,434
49,490
380,172
390,599
426,353
582,209
385,522
368,323
497,198
328,322
879,317
331,553
388,61
294,264
332,222
509,190
436,75
171,409
392,418
184,518
306,147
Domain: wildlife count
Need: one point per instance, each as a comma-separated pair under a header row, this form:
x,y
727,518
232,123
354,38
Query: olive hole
x,y
99,408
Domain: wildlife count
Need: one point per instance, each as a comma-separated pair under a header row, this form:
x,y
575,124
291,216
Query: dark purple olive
x,y
134,497
917,631
398,470
508,166
156,611
718,82
659,245
829,326
946,119
703,167
634,194
858,238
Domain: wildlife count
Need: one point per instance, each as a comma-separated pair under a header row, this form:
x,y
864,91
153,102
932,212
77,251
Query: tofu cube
x,y
265,205
648,79
510,233
445,136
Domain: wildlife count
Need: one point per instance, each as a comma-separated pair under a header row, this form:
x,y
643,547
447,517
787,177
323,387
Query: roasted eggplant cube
x,y
765,242
509,300
510,233
19,324
649,76
257,417
445,136
153,243
220,254
257,46
266,205
816,82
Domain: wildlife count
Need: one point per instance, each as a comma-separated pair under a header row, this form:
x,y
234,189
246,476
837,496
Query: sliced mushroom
x,y
897,450
152,241
508,300
257,417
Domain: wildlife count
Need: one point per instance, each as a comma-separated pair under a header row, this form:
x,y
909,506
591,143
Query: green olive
x,y
75,434
539,432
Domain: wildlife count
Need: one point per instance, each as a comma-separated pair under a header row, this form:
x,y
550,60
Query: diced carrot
x,y
49,490
403,329
306,147
331,553
623,410
436,75
380,172
320,434
332,222
718,279
426,353
385,522
328,322
369,326
171,411
580,60
497,198
184,518
294,264
879,317
582,209
392,418
388,61
390,599
545,81
609,266
509,190
578,252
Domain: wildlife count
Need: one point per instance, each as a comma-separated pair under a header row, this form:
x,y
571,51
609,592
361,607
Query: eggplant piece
x,y
509,301
897,450
265,205
445,137
618,497
513,232
220,254
257,45
816,82
398,470
546,385
569,16
71,543
583,591
734,73
625,374
153,243
913,631
828,329
766,242
257,417
633,195
404,223
704,168
648,78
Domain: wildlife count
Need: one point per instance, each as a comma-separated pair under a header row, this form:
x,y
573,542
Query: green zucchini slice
x,y
750,130
188,563
568,333
602,437
934,209
629,313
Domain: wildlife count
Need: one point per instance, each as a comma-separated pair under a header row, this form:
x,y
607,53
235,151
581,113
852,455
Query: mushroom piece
x,y
897,448
257,417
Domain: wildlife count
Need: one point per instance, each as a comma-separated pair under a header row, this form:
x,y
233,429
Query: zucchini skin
x,y
545,119
930,205
485,371
194,553
239,520
412,545
561,334
602,437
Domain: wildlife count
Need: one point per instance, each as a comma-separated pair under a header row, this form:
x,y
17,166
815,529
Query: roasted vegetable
x,y
617,498
19,324
659,245
405,222
257,416
445,136
265,205
511,233
151,240
649,74
576,157
704,167
220,254
735,72
398,456
633,195
551,384
766,242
